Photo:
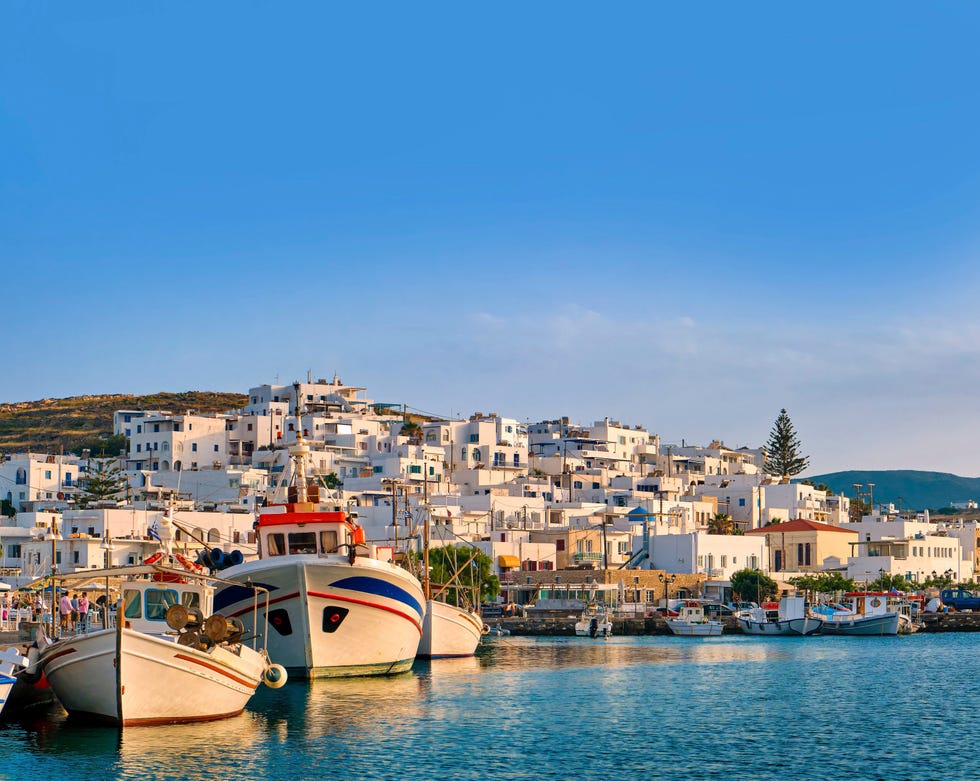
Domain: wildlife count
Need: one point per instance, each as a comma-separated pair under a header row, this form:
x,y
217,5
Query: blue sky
x,y
685,218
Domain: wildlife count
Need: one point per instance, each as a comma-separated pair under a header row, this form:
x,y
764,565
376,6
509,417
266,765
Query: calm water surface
x,y
573,708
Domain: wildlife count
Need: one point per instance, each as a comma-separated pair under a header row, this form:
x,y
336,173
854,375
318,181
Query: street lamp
x,y
666,580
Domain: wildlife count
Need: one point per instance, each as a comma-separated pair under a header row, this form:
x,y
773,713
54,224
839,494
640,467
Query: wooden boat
x,y
791,620
162,663
337,607
691,621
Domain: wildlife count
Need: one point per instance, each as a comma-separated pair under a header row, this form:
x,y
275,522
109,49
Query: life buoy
x,y
187,564
153,559
876,602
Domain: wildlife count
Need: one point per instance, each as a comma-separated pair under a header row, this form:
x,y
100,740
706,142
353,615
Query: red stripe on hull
x,y
215,668
353,600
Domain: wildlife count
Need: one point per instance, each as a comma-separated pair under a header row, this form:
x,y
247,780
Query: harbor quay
x,y
564,626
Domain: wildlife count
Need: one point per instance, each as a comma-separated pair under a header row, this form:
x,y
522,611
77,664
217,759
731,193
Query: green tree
x,y
103,481
721,523
752,585
823,583
331,481
466,573
889,582
102,447
783,458
859,508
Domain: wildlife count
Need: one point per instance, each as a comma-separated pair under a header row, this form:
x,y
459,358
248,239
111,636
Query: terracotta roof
x,y
800,525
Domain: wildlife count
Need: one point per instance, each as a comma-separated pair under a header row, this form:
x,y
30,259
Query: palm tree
x,y
721,523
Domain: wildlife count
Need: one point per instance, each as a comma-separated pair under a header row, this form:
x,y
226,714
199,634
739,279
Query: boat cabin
x,y
315,533
145,602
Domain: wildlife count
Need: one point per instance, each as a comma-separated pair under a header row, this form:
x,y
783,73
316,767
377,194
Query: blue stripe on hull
x,y
379,588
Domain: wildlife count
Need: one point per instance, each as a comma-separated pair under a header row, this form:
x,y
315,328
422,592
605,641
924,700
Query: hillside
x,y
913,490
82,421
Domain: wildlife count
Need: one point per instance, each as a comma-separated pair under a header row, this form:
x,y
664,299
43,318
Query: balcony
x,y
582,558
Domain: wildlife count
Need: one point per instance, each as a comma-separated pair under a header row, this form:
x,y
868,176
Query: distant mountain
x,y
46,425
911,489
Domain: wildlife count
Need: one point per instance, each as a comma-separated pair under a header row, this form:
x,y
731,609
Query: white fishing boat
x,y
448,630
791,620
691,621
162,663
594,622
336,607
864,613
12,661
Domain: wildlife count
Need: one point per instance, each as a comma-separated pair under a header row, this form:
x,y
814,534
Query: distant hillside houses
x,y
546,501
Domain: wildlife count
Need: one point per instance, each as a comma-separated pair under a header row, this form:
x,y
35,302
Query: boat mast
x,y
426,586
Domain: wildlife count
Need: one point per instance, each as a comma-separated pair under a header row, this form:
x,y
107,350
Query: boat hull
x,y
692,629
449,631
327,617
131,678
862,626
793,627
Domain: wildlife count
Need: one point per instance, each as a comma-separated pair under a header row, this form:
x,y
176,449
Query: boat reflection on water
x,y
527,653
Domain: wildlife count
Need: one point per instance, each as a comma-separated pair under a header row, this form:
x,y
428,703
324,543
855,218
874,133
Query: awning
x,y
509,562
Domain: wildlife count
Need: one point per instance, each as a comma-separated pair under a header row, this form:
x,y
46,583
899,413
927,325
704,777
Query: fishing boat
x,y
863,613
448,630
791,620
691,621
594,622
163,662
12,661
337,606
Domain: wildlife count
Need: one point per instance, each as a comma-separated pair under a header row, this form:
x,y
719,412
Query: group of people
x,y
74,611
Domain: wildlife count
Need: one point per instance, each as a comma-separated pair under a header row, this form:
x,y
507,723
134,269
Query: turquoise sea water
x,y
573,708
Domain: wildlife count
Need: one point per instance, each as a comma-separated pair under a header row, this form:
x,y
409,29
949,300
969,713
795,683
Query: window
x,y
249,427
157,602
302,542
724,561
156,428
215,448
139,448
799,553
277,544
328,541
741,502
139,429
194,447
47,474
132,604
559,545
415,469
127,418
806,554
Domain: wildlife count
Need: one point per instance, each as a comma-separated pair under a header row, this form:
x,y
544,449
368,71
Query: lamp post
x,y
666,580
881,579
54,536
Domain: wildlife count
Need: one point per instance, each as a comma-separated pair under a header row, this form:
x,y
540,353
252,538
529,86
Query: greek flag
x,y
153,531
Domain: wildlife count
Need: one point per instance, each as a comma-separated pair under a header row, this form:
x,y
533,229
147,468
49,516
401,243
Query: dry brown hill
x,y
86,421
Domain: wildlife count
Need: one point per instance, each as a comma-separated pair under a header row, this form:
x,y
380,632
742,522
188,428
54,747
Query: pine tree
x,y
783,457
104,481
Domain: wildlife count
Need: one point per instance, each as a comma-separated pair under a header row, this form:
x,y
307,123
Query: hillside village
x,y
553,504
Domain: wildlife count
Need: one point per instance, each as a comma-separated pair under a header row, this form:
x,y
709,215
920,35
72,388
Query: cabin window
x,y
328,542
132,605
302,542
157,602
277,544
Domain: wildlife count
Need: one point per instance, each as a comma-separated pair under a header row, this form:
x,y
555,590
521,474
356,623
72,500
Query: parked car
x,y
960,599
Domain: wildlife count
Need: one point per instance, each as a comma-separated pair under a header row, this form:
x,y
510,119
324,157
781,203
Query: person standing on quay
x,y
64,608
83,612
